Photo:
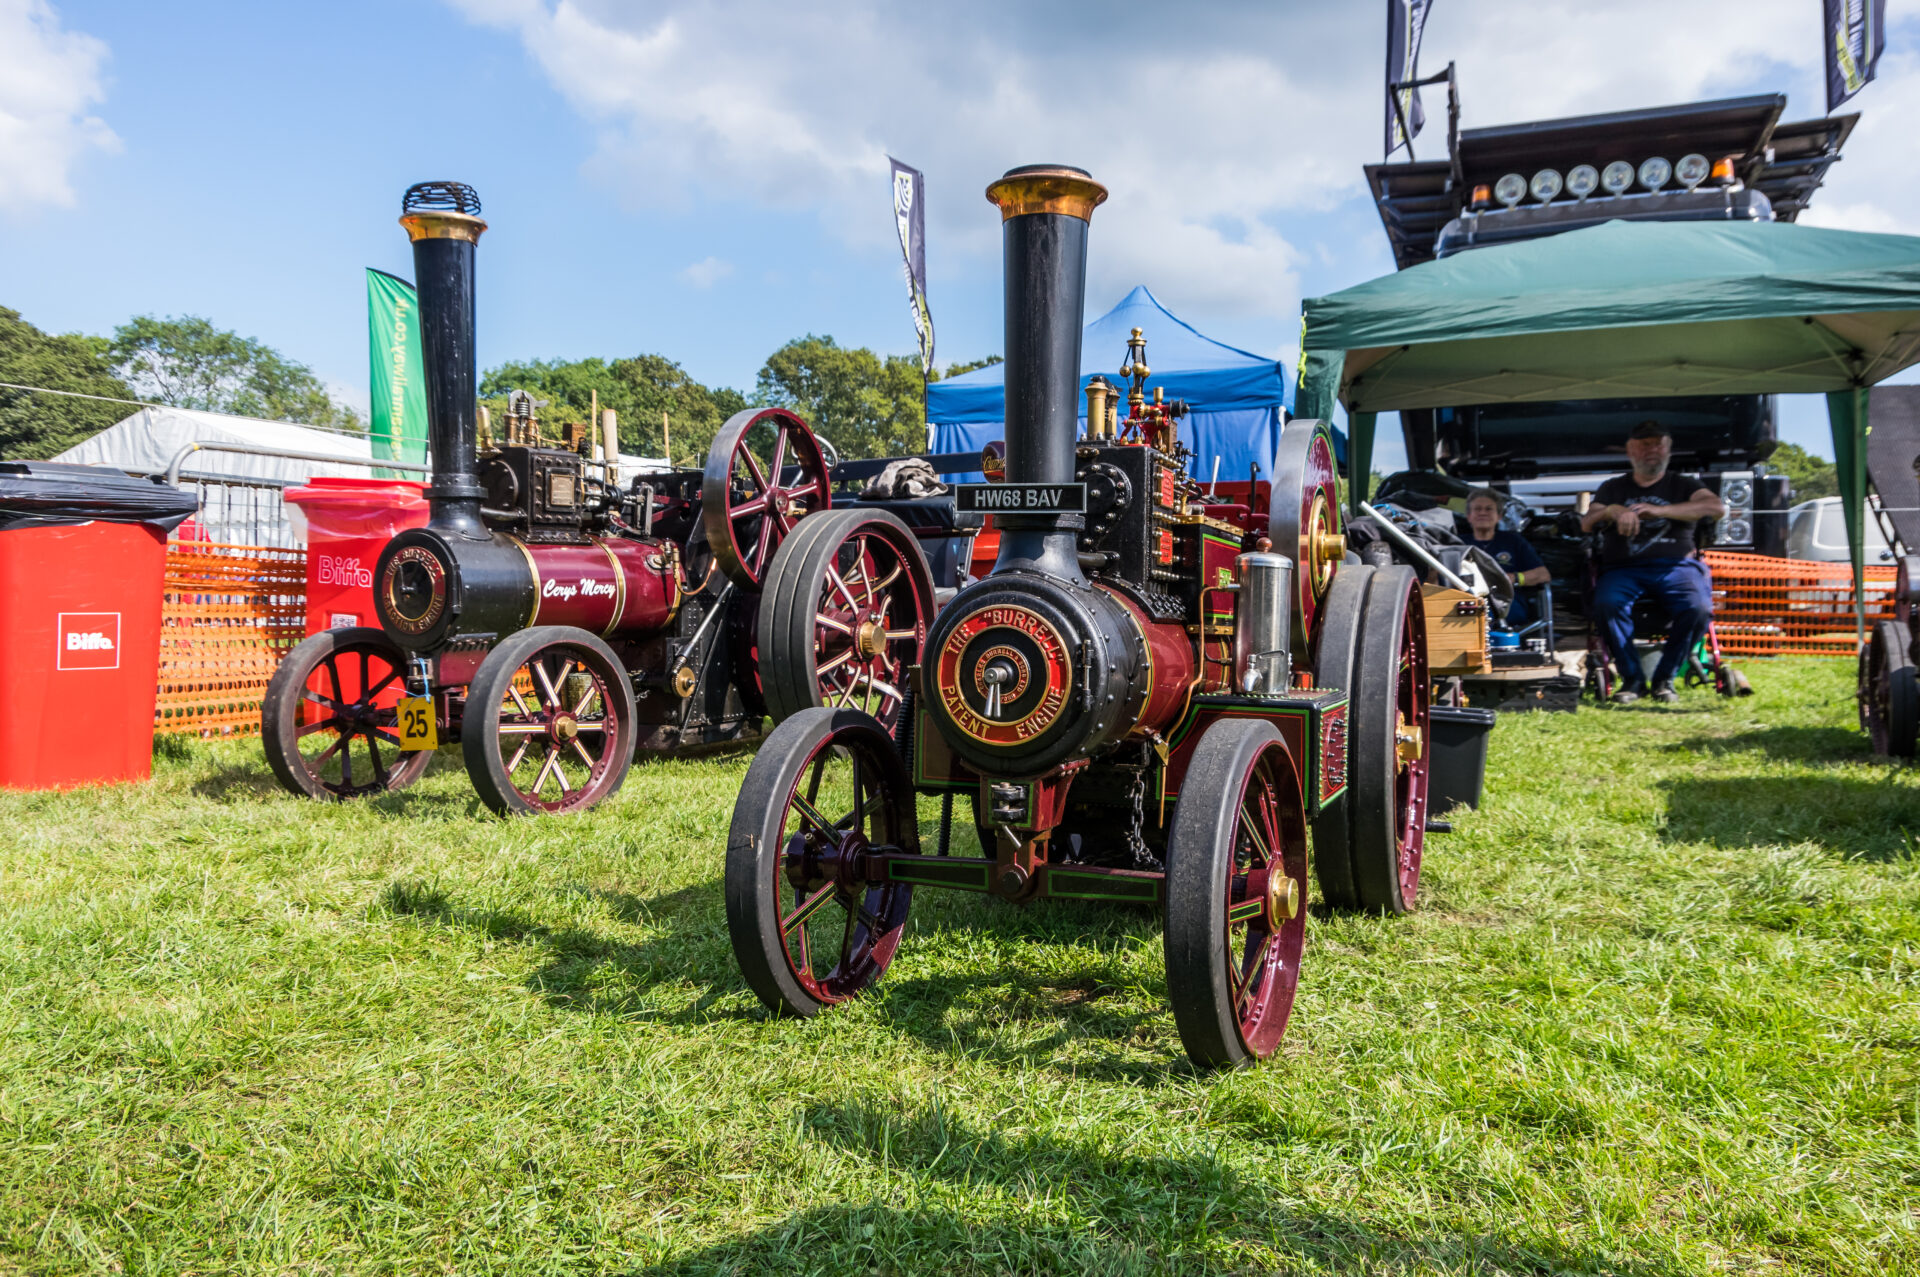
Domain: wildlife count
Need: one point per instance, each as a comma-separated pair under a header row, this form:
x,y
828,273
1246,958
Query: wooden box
x,y
1456,631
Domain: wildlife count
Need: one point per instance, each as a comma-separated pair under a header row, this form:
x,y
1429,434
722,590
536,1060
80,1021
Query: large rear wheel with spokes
x,y
765,471
813,918
329,723
1388,739
843,616
1236,895
549,723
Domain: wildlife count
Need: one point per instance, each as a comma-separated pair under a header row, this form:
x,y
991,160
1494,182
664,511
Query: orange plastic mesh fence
x,y
1790,607
228,614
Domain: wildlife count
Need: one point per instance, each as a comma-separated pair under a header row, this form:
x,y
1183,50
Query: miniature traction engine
x,y
553,623
1151,698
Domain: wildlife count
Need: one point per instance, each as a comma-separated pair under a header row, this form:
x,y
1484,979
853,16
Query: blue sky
x,y
708,180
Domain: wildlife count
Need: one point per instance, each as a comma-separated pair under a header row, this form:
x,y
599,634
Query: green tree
x,y
868,406
34,426
638,389
955,370
1811,476
186,362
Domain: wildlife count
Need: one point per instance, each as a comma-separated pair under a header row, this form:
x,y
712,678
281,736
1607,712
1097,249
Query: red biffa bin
x,y
83,559
349,521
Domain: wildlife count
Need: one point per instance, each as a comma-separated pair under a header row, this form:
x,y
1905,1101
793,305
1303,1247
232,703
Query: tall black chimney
x,y
1044,211
443,221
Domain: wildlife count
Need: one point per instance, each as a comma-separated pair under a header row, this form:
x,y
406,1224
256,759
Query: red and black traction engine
x,y
1118,699
552,621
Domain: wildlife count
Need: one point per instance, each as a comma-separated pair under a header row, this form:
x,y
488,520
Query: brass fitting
x,y
1047,188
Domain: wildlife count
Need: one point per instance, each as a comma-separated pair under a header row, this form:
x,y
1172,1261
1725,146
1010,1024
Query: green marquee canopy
x,y
1627,309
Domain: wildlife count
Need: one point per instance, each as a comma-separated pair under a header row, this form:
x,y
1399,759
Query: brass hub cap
x,y
1407,745
1283,899
870,639
563,728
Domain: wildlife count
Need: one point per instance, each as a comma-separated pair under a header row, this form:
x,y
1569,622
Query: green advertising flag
x,y
399,395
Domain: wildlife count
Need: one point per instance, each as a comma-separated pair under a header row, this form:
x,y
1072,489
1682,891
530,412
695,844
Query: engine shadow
x,y
1851,818
585,970
1821,746
1131,1214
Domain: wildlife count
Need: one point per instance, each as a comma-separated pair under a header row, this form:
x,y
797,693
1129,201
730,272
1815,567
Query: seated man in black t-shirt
x,y
1509,549
1648,549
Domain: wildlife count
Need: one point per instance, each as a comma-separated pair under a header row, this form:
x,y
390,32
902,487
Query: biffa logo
x,y
88,641
333,570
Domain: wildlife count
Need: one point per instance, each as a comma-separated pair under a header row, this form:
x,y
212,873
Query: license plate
x,y
1021,498
419,728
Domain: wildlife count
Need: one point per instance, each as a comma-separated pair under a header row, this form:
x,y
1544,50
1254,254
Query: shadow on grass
x,y
1855,819
1815,745
987,1014
587,971
1129,1214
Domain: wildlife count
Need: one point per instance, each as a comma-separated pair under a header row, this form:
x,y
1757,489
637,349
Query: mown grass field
x,y
1660,1013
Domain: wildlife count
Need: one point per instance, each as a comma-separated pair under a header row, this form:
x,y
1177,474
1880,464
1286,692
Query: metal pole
x,y
1414,548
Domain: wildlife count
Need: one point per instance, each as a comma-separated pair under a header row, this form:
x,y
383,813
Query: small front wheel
x,y
1236,895
549,724
333,698
813,918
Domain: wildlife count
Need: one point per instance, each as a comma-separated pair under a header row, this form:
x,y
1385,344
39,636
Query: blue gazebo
x,y
1237,400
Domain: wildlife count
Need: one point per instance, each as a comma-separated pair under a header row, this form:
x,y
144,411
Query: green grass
x,y
1656,1015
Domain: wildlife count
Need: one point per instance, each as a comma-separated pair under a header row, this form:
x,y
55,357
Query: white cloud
x,y
1218,128
707,272
51,77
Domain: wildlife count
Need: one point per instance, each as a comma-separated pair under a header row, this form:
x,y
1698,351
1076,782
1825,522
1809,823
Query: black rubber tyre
x,y
369,665
1890,691
1389,740
781,844
1599,679
1236,895
844,615
1337,648
581,735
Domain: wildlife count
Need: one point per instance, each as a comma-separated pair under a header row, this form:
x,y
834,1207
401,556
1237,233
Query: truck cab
x,y
1729,159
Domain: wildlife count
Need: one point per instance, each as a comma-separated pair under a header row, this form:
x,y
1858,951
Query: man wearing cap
x,y
1648,550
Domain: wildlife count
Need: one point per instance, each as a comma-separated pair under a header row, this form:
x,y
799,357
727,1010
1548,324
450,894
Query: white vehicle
x,y
1817,530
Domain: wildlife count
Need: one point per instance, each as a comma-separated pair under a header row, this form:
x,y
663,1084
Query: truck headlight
x,y
1582,180
1545,185
1618,178
1510,190
1654,172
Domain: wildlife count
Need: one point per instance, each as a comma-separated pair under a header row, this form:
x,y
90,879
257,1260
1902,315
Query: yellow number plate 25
x,y
418,727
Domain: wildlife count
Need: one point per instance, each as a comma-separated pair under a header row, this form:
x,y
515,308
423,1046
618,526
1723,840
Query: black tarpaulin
x,y
45,494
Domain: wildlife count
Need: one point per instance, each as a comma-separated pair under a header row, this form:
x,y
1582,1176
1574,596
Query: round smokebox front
x,y
1004,675
1017,667
415,582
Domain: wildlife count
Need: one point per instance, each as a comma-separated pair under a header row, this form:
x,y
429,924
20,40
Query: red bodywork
x,y
611,586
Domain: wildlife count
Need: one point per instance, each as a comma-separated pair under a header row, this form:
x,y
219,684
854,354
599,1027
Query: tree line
x,y
868,405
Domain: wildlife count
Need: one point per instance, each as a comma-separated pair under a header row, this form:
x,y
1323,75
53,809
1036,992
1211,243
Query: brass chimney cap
x,y
441,210
440,225
1047,188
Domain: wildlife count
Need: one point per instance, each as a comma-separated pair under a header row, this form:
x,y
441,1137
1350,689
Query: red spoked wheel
x,y
549,723
1389,741
1236,895
1305,523
844,616
333,690
812,917
765,471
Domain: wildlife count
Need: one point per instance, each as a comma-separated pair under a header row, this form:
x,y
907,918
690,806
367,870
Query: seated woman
x,y
1509,549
